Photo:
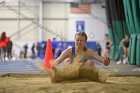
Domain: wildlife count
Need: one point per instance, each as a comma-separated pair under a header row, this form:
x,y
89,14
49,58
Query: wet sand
x,y
42,84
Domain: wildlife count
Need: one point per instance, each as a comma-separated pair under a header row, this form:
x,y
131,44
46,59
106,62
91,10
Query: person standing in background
x,y
108,45
3,45
65,46
33,51
125,43
59,49
9,49
99,49
54,45
25,50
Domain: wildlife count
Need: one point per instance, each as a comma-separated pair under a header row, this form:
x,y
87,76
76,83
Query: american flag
x,y
80,7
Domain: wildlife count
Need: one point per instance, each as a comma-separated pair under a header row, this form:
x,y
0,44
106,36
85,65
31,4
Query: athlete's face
x,y
80,41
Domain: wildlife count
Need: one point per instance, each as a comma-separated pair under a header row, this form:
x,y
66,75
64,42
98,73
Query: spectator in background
x,y
65,46
33,51
38,49
9,49
59,49
125,43
25,50
44,48
99,49
21,54
108,45
3,45
54,45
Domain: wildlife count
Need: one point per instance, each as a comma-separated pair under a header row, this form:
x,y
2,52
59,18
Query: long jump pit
x,y
74,78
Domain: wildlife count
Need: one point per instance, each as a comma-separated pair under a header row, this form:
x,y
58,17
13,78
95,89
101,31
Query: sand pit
x,y
41,84
73,72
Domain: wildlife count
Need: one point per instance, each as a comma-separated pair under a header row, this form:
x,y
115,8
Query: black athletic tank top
x,y
73,52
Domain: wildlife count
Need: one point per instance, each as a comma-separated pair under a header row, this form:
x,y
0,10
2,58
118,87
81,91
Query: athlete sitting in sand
x,y
80,47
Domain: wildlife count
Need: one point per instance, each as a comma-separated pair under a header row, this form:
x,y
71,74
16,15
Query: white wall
x,y
58,19
55,15
94,27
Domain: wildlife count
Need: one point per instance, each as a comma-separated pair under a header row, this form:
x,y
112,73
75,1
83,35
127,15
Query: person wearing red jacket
x,y
3,45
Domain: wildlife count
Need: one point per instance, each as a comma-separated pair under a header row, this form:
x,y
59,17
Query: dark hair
x,y
82,34
3,36
106,35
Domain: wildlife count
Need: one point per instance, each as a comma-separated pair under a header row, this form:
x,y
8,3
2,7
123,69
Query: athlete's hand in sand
x,y
107,61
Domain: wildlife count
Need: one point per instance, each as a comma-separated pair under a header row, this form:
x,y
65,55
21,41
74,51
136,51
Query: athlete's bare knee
x,y
67,61
89,62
